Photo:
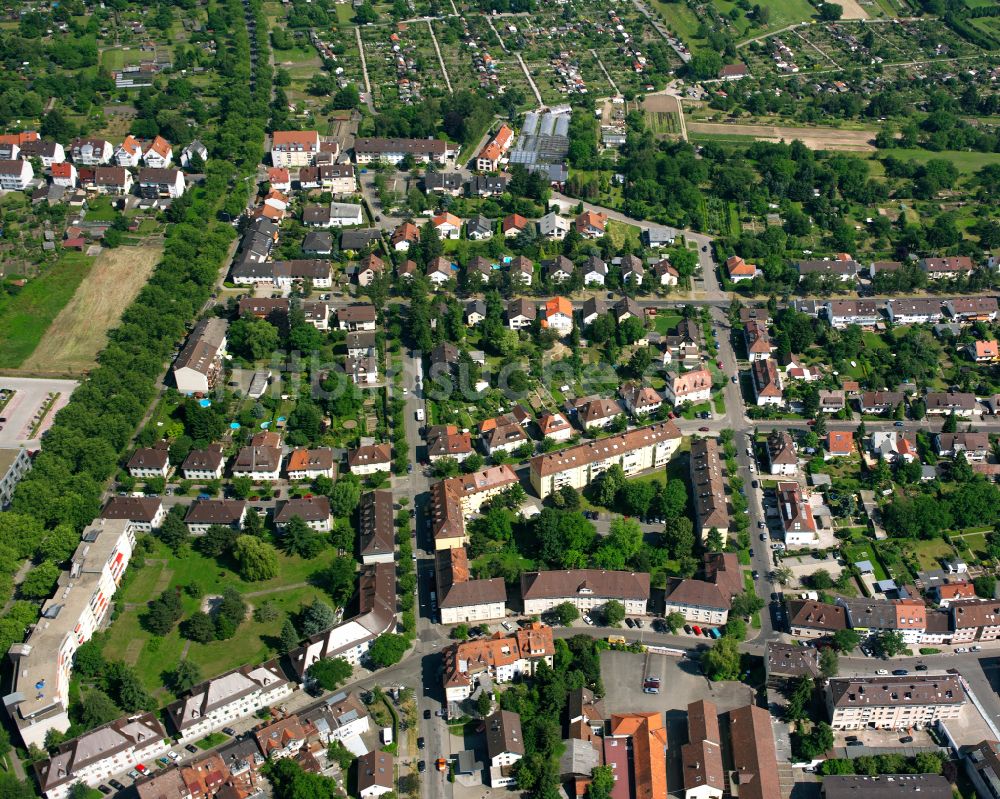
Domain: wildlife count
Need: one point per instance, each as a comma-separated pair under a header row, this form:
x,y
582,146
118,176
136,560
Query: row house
x,y
944,403
283,275
951,267
499,658
812,619
112,180
914,311
227,698
337,179
332,215
844,269
842,313
881,402
634,451
893,703
974,620
39,698
905,616
972,309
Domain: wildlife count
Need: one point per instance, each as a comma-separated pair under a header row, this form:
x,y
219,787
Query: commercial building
x,y
893,703
586,589
634,451
227,698
39,699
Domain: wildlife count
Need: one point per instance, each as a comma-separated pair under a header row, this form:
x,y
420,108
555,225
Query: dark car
x,y
906,739
427,714
629,623
229,731
192,749
420,743
687,629
116,785
855,743
104,789
702,429
921,667
900,672
421,766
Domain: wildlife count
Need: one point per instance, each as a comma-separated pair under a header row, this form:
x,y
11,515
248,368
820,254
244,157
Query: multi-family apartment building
x,y
499,657
634,451
456,498
146,513
376,528
227,698
199,364
757,340
101,753
781,456
314,511
708,485
693,386
586,589
294,148
701,756
504,746
461,598
811,619
392,151
797,519
205,513
842,313
766,382
204,464
39,699
893,703
707,601
15,463
351,639
975,620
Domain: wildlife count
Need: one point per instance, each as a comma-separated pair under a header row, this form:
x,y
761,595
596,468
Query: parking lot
x,y
29,398
681,682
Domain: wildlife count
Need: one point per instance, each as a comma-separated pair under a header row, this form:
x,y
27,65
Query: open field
x,y
852,9
814,138
26,316
964,161
77,334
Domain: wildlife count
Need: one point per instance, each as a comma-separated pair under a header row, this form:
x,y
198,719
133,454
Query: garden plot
x,y
402,63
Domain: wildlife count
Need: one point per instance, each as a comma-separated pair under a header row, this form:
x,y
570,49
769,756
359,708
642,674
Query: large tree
x,y
330,673
257,559
388,649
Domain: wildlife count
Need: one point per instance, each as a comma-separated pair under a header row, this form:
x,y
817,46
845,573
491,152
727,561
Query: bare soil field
x,y
660,103
77,334
852,9
815,138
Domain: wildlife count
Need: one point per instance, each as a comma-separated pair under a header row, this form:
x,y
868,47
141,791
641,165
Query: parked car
x,y
976,648
687,629
420,743
882,672
900,672
439,713
629,623
133,774
921,667
229,731
638,623
164,760
427,713
421,766
961,649
116,785
906,739
897,424
702,429
173,755
587,619
104,789
651,689
855,743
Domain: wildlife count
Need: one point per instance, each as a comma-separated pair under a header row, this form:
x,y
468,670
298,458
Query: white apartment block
x,y
14,464
586,589
101,754
227,698
294,148
39,700
893,703
15,175
635,451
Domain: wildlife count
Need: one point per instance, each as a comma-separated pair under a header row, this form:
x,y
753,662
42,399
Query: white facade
x,y
15,175
17,465
474,614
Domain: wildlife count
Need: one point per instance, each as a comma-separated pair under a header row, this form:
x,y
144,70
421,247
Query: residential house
x,y
708,486
333,215
49,153
512,225
694,386
447,225
838,444
893,446
558,315
294,148
260,460
975,620
842,313
955,266
496,660
639,399
832,401
554,425
766,383
64,174
369,459
984,351
842,270
634,451
479,269
592,308
884,402
284,737
632,269
595,271
205,513
360,316
553,226
479,228
522,270
359,239
502,434
371,267
972,309
314,511
157,183
914,311
946,593
227,698
456,498
113,180
976,446
195,148
645,735
149,462
905,616
684,345
591,225
665,273
786,664
893,703
657,236
145,513
406,270
586,589
740,270
475,312
440,271
520,313
758,341
404,236
159,154
597,412
944,403
701,757
376,528
487,185
376,774
559,269
796,515
204,464
489,157
781,456
811,619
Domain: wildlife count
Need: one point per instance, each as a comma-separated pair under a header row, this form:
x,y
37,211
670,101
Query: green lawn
x,y
24,317
666,322
253,642
930,553
623,236
965,162
211,741
860,551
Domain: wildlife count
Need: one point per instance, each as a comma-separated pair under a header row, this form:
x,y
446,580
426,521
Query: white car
x,y
976,648
588,620
882,673
173,756
961,649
